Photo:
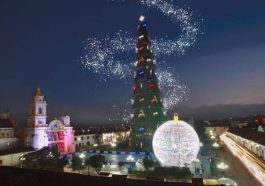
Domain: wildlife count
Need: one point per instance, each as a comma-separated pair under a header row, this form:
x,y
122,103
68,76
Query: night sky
x,y
41,45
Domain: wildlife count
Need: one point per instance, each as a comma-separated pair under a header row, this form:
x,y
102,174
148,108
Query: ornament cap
x,y
176,117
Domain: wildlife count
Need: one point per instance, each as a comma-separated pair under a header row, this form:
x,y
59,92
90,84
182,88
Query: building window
x,y
88,143
82,138
87,137
75,138
39,122
40,111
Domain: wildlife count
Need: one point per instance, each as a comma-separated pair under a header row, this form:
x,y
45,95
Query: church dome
x,y
6,123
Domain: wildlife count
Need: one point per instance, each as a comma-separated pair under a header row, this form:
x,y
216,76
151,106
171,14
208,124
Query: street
x,y
242,173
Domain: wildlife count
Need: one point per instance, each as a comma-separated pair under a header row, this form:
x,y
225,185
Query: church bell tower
x,y
37,110
36,135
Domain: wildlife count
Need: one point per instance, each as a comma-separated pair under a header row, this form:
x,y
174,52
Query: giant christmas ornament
x,y
175,143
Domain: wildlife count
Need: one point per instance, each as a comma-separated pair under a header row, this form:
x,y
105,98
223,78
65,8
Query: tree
x,y
61,163
76,163
47,163
148,163
121,164
55,151
41,159
147,106
97,162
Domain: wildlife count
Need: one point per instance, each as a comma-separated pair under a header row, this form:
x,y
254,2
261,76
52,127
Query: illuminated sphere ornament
x,y
175,143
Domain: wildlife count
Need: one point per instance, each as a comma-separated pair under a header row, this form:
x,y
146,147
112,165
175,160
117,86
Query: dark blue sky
x,y
41,44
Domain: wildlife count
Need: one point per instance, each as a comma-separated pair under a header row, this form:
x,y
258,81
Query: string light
x,y
175,143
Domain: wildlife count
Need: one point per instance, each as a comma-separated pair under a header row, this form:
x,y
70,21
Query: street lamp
x,y
22,159
216,145
82,156
223,167
130,159
212,137
195,161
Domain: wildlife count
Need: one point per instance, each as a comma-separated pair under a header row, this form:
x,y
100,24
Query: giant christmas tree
x,y
147,105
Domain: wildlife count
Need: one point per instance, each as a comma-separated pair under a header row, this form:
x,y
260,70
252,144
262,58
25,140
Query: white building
x,y
85,140
40,134
251,140
114,137
12,158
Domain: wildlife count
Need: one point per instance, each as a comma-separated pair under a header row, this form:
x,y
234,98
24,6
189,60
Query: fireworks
x,y
189,28
102,55
172,90
120,113
112,56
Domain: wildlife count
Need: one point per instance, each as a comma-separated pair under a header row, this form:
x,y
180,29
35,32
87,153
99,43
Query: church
x,y
39,133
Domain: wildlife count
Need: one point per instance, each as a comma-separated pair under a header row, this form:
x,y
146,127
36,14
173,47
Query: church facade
x,y
39,133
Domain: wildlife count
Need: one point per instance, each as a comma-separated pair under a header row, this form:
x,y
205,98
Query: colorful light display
x,y
108,54
175,143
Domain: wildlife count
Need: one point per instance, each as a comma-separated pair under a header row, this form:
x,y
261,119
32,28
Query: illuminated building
x,y
40,134
7,133
7,126
85,138
252,140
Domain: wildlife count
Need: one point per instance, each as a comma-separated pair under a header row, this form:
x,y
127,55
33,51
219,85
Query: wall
x,y
8,143
252,146
11,159
84,141
6,132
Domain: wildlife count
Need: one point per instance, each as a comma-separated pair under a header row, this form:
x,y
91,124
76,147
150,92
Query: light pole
x,y
223,167
195,165
82,156
130,159
22,159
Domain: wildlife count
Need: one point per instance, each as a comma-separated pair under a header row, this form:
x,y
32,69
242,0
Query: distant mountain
x,y
219,111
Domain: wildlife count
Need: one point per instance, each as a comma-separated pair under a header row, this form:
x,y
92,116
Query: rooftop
x,y
86,131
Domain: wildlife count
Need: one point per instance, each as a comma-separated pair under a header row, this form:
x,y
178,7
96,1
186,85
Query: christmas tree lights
x,y
147,105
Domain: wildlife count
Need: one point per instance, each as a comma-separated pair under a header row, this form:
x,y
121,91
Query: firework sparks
x,y
108,56
189,28
172,90
120,113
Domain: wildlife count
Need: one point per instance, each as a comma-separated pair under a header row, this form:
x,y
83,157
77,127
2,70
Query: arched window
x,y
40,110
